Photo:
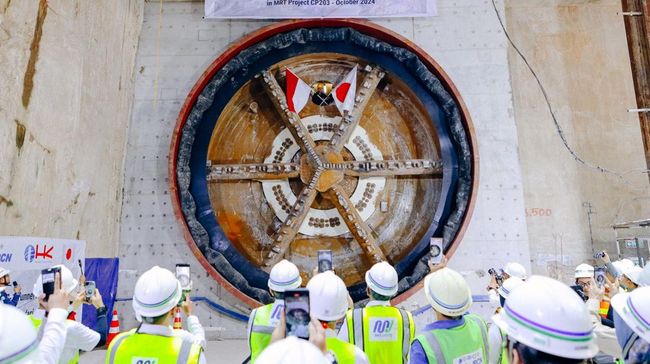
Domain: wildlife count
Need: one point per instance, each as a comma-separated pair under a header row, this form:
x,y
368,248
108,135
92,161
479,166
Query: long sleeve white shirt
x,y
605,336
54,337
168,331
495,342
195,332
79,337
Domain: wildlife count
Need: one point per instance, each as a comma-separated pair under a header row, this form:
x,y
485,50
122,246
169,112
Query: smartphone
x,y
497,277
90,289
436,250
324,260
15,284
183,276
599,275
599,255
81,268
296,310
47,276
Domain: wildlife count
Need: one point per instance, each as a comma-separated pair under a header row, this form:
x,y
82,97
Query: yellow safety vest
x,y
384,333
261,329
37,324
344,352
136,348
442,345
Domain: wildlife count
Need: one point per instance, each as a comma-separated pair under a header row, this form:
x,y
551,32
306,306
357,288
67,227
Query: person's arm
x,y
102,324
81,337
193,324
54,332
494,341
417,354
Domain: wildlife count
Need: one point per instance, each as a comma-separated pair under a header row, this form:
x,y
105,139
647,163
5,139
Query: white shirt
x,y
194,333
161,330
79,337
495,342
54,336
343,332
359,356
605,336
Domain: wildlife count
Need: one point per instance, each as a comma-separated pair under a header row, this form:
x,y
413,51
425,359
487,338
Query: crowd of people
x,y
603,317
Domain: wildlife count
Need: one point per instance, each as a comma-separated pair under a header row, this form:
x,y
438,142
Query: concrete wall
x,y
66,81
579,51
176,45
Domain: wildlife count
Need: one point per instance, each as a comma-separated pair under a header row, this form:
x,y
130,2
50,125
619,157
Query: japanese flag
x,y
298,92
345,92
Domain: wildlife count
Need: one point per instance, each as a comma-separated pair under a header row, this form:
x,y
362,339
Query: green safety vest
x,y
467,342
261,329
135,348
344,352
384,333
37,324
504,347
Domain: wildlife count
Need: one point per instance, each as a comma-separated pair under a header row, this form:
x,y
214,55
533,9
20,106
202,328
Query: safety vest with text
x,y
37,324
467,343
135,348
384,333
261,329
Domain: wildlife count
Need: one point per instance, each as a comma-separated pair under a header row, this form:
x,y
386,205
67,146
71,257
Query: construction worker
x,y
284,276
454,337
514,269
156,295
632,319
629,278
292,350
383,332
19,340
510,269
5,281
496,337
79,337
546,322
328,298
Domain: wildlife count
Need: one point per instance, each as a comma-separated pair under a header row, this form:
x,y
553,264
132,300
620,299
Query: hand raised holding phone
x,y
58,299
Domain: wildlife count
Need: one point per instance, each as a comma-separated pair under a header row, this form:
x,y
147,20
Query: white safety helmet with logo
x,y
548,316
284,276
623,265
509,285
382,279
156,292
514,269
328,296
633,273
584,271
448,292
68,282
634,309
19,339
292,350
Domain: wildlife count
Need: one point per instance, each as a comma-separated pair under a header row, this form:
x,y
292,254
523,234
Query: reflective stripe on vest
x,y
503,355
163,349
604,309
441,345
261,329
378,347
344,352
38,324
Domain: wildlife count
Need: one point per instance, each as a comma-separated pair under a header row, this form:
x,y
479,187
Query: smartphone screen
x,y
183,276
436,250
296,308
599,275
90,289
48,276
324,260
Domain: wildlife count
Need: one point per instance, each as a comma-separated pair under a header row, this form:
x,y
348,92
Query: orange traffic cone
x,y
178,323
114,329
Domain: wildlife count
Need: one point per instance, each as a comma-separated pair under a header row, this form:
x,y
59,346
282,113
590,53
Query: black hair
x,y
277,295
154,320
529,355
378,297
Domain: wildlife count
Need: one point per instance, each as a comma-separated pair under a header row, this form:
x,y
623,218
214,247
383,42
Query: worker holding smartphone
x,y
5,282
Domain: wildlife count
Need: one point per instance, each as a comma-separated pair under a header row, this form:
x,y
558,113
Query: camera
x,y
599,255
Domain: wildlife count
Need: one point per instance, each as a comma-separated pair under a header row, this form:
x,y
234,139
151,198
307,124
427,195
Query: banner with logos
x,y
25,257
295,9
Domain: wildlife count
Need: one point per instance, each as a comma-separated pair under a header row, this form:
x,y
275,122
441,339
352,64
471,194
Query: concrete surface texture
x,y
67,86
579,51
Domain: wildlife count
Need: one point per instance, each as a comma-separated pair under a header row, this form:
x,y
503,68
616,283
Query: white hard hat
x,y
623,264
68,283
328,296
4,272
548,316
284,276
514,269
634,309
382,278
644,276
584,271
156,292
633,273
19,339
509,285
448,292
292,350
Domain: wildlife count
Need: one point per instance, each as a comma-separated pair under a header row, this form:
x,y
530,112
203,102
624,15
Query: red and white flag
x,y
298,92
346,91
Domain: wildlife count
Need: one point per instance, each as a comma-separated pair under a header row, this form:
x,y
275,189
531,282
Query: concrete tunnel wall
x,y
87,156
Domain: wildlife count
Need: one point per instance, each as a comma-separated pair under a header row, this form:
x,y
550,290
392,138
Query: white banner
x,y
26,256
297,9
